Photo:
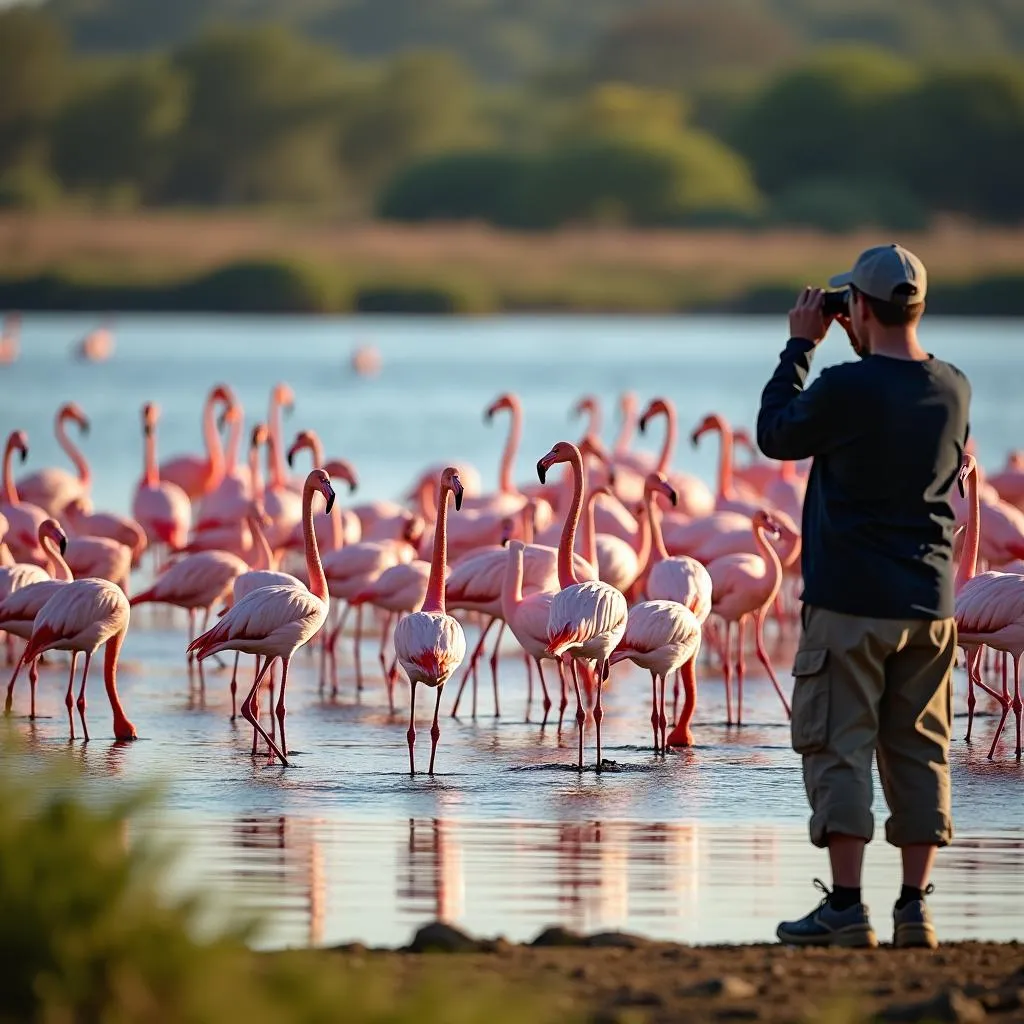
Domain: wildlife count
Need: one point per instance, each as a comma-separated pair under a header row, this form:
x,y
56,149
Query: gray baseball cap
x,y
887,272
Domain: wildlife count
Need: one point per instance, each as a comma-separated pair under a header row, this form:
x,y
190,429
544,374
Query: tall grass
x,y
87,935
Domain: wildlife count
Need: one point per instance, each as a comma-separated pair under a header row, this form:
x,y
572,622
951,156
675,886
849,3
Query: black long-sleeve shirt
x,y
887,437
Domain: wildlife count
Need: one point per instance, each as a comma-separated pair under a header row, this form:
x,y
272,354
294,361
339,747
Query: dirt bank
x,y
613,978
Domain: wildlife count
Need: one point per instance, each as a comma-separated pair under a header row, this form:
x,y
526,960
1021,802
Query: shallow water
x,y
707,845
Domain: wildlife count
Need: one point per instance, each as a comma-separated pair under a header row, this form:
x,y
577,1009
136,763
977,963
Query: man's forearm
x,y
779,434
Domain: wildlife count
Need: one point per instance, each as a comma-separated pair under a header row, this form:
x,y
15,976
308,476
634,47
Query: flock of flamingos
x,y
613,556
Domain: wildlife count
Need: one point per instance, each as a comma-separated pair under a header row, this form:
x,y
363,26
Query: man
x,y
874,666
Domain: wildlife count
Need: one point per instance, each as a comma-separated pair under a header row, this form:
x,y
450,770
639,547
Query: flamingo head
x,y
343,469
656,407
508,530
415,527
741,436
591,445
259,436
657,483
318,480
283,396
587,404
73,411
222,393
18,442
628,402
564,451
710,422
764,520
150,415
450,482
967,467
49,529
503,401
303,439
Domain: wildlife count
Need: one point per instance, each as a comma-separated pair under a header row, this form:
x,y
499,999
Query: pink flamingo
x,y
160,507
586,620
25,589
275,621
617,561
1009,481
786,491
758,473
639,462
664,638
195,582
128,532
694,497
729,497
100,557
97,346
23,518
588,406
351,527
80,617
508,498
198,475
281,502
989,612
744,585
10,338
229,500
53,488
430,643
6,558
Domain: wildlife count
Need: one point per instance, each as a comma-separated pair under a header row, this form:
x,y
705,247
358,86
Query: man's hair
x,y
891,314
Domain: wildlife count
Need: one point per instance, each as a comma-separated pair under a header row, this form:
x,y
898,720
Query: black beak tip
x,y
504,542
673,497
24,454
694,440
63,545
611,477
330,500
352,485
960,485
85,427
291,459
458,499
642,424
541,471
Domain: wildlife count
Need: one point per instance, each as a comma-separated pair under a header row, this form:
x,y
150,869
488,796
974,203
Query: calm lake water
x,y
707,845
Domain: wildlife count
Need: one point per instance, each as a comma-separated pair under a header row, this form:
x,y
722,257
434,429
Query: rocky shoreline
x,y
620,978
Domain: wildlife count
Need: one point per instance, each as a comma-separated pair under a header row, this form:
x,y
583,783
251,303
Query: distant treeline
x,y
772,133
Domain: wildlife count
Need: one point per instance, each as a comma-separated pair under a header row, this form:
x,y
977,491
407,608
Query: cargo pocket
x,y
809,725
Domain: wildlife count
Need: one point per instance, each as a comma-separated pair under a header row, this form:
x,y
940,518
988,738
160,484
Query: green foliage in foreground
x,y
86,936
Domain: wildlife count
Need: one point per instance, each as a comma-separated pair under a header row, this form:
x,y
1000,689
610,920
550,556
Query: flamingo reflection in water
x,y
430,872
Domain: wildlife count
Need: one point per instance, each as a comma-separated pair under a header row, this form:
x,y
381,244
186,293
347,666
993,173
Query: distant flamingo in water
x,y
430,643
53,488
80,617
160,507
275,621
586,620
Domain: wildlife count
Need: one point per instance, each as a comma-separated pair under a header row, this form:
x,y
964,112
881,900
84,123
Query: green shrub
x,y
28,188
264,286
841,205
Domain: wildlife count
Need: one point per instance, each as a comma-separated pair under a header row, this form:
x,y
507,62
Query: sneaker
x,y
912,926
825,926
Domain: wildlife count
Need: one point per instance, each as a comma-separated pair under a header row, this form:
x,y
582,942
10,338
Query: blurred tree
x,y
422,104
32,64
119,132
825,118
676,46
263,118
625,112
961,141
131,25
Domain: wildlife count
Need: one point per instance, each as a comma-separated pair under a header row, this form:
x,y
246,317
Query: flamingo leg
x,y
68,699
234,688
529,686
270,700
1017,704
9,702
494,667
469,668
255,707
33,679
544,690
333,648
357,648
727,671
81,696
281,709
1004,700
411,733
662,719
564,700
191,631
654,709
762,655
581,716
381,655
435,730
248,714
741,667
599,707
972,669
675,695
681,735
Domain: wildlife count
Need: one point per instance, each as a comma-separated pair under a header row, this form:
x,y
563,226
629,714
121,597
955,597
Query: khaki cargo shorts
x,y
865,686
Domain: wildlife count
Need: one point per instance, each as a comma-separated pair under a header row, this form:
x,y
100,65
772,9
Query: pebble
x,y
615,940
949,1006
442,938
558,936
728,986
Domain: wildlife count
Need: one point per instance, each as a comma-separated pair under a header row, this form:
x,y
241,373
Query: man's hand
x,y
806,319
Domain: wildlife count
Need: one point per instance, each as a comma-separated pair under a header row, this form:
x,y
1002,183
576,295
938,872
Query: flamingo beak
x,y
642,423
611,479
330,496
672,495
542,470
353,483
63,545
458,491
960,478
84,424
23,454
695,438
291,458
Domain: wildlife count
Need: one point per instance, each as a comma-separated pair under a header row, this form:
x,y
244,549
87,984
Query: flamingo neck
x,y
10,491
214,449
566,543
234,443
658,551
278,474
669,444
58,567
122,727
512,582
434,600
594,420
588,532
506,484
263,557
313,443
150,468
969,554
255,472
642,545
73,453
771,560
622,442
314,567
725,457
